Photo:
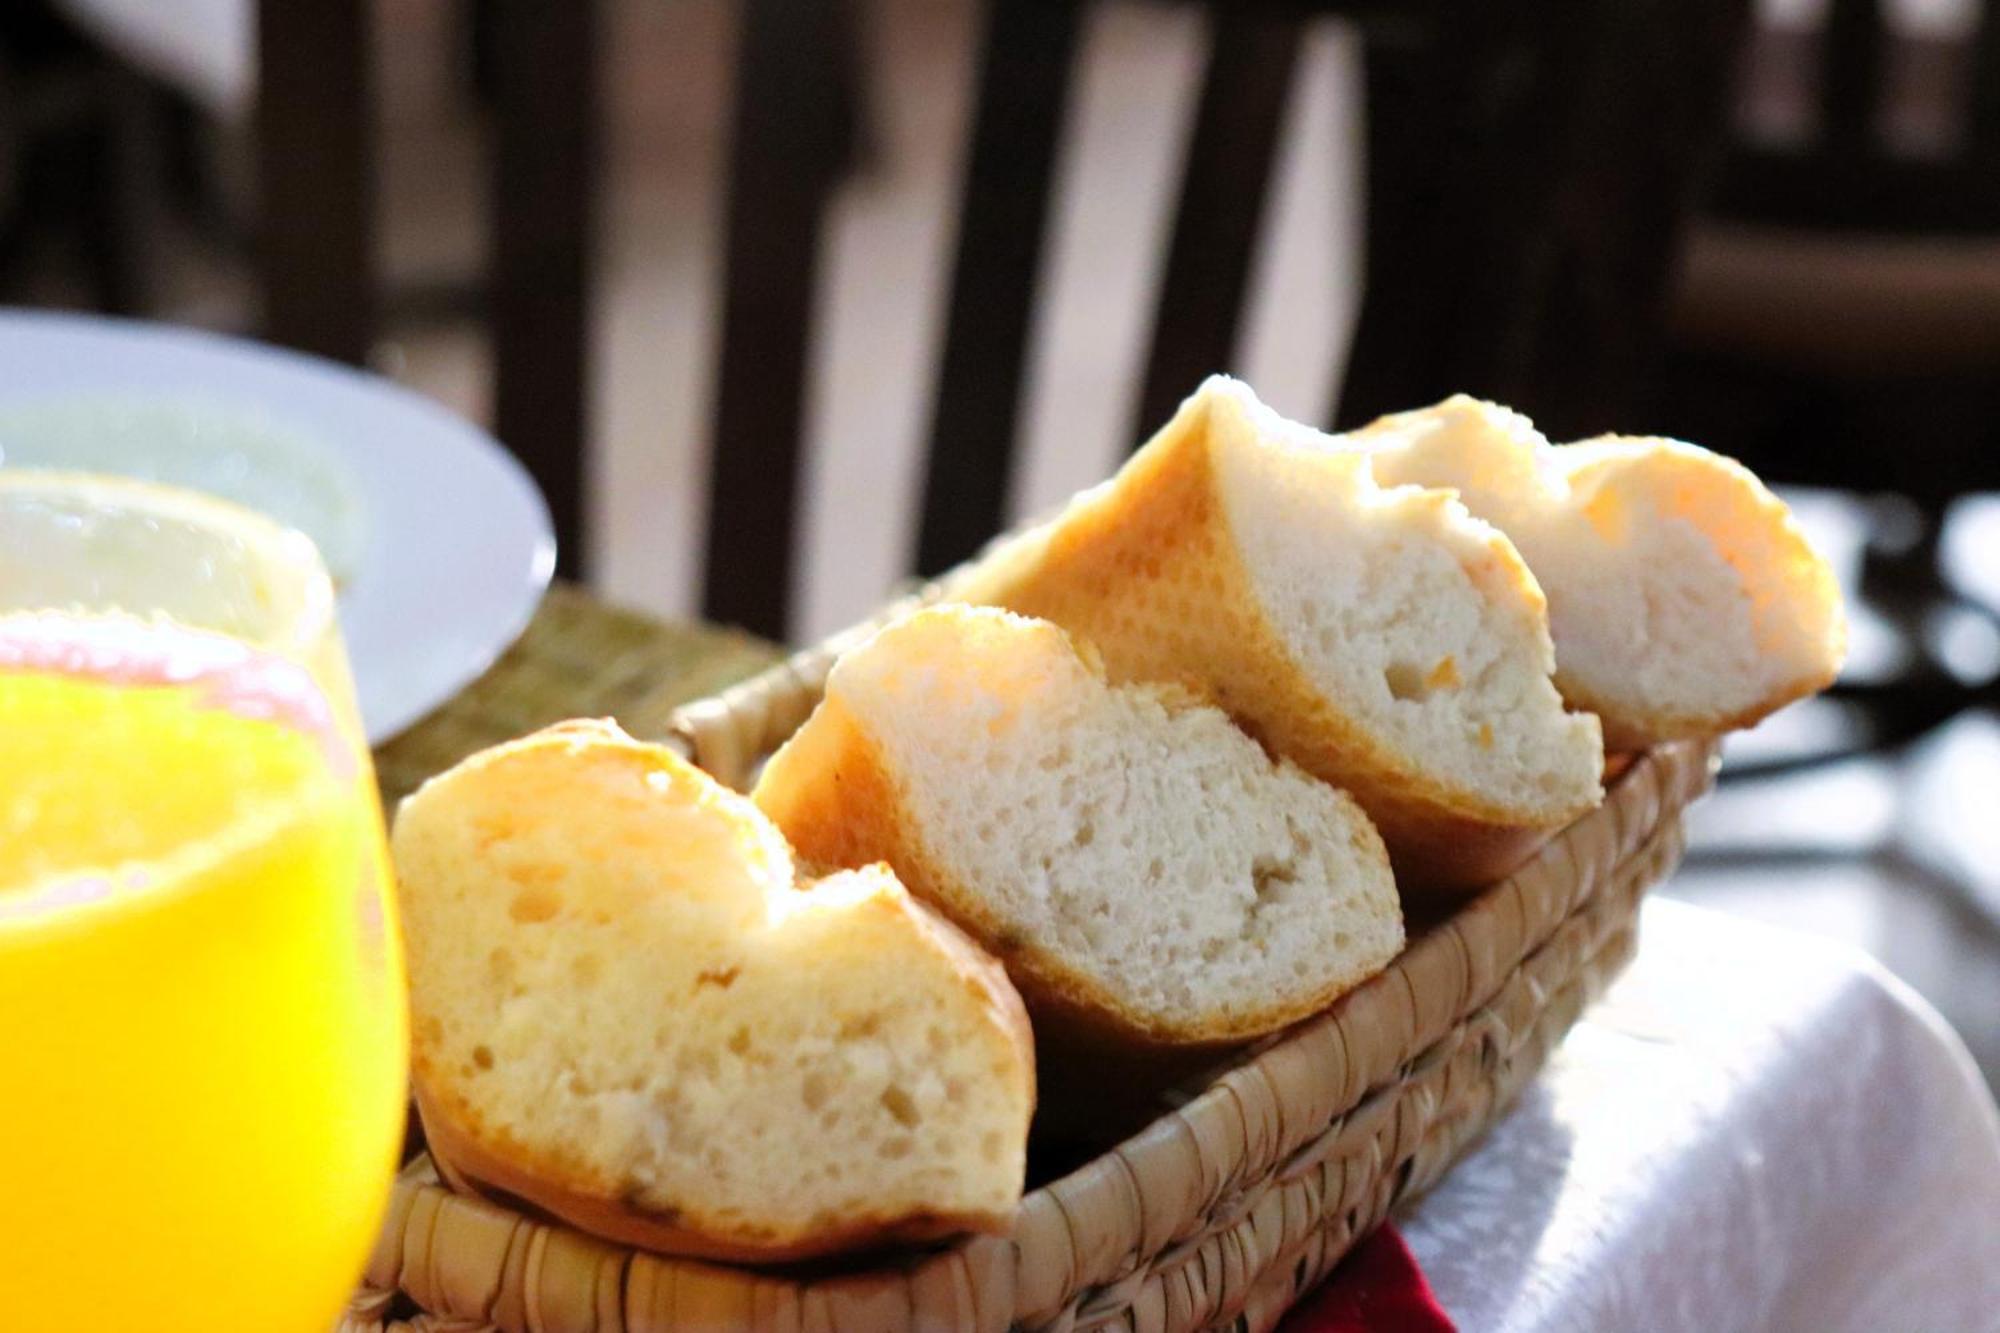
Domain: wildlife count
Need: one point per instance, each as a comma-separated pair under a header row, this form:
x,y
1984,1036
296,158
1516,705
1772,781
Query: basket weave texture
x,y
1219,1214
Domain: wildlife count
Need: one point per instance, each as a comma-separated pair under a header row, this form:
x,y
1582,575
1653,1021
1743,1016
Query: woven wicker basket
x,y
1219,1214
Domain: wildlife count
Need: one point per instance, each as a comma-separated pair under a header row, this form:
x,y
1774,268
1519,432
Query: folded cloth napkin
x,y
1377,1288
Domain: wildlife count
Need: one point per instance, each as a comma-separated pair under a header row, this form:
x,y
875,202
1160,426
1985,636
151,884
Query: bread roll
x,y
628,1012
1683,598
1147,873
1386,640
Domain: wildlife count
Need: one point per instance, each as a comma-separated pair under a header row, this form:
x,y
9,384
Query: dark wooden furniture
x,y
1812,361
82,135
1838,324
1529,169
1531,172
793,137
316,171
316,176
1901,131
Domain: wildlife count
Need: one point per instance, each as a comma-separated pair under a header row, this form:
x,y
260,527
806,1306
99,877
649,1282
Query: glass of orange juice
x,y
202,1024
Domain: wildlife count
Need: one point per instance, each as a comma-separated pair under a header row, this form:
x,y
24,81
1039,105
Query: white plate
x,y
440,542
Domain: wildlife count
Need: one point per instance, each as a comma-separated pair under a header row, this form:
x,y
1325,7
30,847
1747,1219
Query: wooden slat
x,y
1823,193
1982,114
1851,64
129,165
1439,197
316,175
1024,79
1657,79
791,139
544,185
1224,182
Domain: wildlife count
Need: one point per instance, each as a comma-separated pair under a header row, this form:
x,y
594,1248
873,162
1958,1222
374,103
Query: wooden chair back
x,y
1529,168
1900,131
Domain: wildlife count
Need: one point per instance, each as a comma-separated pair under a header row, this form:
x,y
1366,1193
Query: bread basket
x,y
1217,1215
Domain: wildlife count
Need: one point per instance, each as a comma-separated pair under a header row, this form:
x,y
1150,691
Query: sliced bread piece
x,y
1386,640
627,1011
1684,600
1147,873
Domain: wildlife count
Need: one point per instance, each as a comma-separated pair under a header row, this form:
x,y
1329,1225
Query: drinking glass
x,y
203,1031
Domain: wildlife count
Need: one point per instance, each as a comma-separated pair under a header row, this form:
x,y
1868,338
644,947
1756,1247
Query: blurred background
x,y
782,301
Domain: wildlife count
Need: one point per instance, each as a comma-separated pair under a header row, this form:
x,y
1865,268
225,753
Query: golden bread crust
x,y
513,1178
835,797
562,1179
1148,571
1729,493
1580,511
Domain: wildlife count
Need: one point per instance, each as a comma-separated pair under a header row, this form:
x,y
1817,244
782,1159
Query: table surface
x,y
577,658
1752,1130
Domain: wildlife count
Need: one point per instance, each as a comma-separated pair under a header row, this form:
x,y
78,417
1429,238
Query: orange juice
x,y
202,1040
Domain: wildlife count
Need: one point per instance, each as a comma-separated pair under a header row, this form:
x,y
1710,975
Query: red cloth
x,y
1377,1288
